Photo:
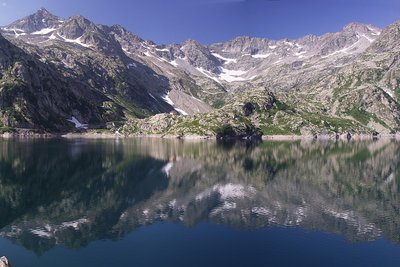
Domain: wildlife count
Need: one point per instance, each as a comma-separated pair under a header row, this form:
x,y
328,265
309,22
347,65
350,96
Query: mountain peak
x,y
43,14
191,42
80,19
360,27
39,20
43,10
388,40
76,26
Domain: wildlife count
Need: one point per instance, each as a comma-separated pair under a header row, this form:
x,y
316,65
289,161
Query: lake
x,y
153,202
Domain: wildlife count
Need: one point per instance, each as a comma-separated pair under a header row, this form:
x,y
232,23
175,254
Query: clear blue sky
x,y
208,21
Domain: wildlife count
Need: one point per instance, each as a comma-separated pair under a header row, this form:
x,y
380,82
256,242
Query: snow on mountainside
x,y
134,75
35,23
239,60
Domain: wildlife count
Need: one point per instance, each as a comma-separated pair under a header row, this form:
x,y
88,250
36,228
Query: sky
x,y
210,21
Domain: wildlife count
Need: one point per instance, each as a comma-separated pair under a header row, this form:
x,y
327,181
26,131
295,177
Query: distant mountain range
x,y
53,69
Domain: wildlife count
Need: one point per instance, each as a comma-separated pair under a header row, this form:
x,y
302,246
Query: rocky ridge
x,y
329,84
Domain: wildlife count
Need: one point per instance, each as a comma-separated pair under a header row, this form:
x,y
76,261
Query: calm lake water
x,y
151,202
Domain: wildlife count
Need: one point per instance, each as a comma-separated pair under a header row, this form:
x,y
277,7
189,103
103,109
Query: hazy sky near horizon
x,y
209,21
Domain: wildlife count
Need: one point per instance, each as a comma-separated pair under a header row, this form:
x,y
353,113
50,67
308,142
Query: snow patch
x,y
228,191
368,38
162,49
173,63
261,55
226,206
75,41
181,111
300,214
153,97
131,65
232,75
374,31
172,203
207,74
346,50
389,179
41,233
346,215
74,224
227,60
78,125
44,31
167,168
149,54
17,32
168,100
388,92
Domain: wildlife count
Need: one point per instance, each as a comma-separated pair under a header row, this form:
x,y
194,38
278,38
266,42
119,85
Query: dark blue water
x,y
150,202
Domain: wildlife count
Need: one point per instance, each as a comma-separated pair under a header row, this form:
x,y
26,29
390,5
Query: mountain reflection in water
x,y
72,192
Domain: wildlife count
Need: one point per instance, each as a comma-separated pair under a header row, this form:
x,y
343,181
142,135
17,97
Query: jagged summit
x,y
42,19
361,28
75,27
43,11
388,40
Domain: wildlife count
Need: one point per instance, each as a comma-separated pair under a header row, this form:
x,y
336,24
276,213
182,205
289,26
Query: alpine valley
x,y
55,70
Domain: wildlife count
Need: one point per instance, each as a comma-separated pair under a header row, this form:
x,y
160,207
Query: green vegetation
x,y
260,111
4,130
334,124
218,103
131,110
225,130
397,92
360,115
103,131
361,156
365,117
283,106
337,92
276,130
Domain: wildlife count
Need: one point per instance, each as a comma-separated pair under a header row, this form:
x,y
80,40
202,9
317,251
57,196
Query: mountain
x,y
329,84
41,22
33,94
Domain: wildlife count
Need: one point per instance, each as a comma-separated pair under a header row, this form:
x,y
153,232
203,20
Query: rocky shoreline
x,y
94,135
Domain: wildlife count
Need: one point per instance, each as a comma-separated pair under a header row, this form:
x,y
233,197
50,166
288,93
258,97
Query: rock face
x,y
33,95
336,82
4,262
35,23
